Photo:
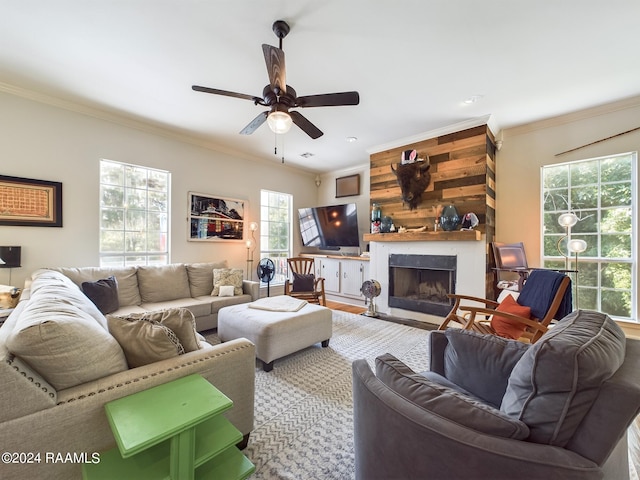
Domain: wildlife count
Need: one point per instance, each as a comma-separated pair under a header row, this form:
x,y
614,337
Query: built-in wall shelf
x,y
455,236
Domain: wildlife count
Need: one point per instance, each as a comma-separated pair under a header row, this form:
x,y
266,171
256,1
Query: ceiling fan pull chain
x,y
282,149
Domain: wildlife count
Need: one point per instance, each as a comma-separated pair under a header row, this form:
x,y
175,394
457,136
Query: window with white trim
x,y
275,230
601,192
134,215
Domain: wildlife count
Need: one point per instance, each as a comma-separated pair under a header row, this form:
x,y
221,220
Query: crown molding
x,y
605,109
438,132
141,125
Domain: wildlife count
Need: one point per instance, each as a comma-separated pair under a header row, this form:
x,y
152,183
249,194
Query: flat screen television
x,y
329,227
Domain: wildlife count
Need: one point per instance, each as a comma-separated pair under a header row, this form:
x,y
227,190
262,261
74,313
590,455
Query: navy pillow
x,y
103,293
303,282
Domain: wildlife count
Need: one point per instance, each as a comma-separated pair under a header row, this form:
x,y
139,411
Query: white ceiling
x,y
412,61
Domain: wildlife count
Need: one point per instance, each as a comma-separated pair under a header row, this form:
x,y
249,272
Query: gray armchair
x,y
492,408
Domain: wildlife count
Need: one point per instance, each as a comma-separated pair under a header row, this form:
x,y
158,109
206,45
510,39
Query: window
x,y
601,192
275,230
134,215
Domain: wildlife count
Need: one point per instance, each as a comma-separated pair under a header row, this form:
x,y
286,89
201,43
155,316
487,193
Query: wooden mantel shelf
x,y
455,236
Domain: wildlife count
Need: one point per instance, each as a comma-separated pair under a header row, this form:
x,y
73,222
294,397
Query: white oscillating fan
x,y
371,289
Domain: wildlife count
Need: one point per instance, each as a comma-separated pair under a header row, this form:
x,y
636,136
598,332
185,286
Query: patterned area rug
x,y
303,407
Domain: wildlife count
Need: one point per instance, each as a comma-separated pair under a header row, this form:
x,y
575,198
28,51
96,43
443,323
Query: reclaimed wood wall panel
x,y
462,174
459,175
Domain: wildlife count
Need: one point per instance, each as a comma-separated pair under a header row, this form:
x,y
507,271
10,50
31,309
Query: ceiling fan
x,y
280,97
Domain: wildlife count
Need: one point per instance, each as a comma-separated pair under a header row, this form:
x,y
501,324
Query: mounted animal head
x,y
413,179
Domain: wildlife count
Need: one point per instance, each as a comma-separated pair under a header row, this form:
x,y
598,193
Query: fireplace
x,y
420,283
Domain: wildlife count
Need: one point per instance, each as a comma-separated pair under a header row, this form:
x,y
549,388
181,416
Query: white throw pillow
x,y
227,276
226,291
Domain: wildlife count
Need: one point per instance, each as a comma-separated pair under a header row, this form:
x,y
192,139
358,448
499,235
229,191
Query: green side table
x,y
172,431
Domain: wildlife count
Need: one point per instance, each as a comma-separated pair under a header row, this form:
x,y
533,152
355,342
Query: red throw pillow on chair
x,y
506,327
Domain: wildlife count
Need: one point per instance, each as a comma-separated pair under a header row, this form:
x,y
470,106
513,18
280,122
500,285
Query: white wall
x,y
327,196
527,148
49,143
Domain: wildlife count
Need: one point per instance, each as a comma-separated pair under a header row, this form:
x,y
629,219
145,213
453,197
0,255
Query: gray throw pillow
x,y
303,282
103,293
447,402
556,381
481,364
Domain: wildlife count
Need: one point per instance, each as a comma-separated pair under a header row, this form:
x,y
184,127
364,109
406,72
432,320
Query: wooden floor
x,y
358,310
346,307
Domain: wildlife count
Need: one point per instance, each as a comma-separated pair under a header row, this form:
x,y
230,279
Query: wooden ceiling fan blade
x,y
226,93
305,125
254,124
329,100
274,59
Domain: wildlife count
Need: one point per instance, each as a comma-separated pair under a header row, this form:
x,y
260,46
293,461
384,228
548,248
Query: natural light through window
x,y
134,215
275,230
602,193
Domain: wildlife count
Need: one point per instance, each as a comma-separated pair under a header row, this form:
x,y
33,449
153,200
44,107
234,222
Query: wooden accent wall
x,y
462,174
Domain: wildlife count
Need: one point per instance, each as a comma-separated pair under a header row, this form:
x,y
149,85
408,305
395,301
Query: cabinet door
x,y
331,274
352,277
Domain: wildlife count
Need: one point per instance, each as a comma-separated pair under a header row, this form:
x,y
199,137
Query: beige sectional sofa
x,y
151,288
59,365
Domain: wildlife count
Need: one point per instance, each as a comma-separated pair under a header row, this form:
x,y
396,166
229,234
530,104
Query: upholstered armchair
x,y
493,408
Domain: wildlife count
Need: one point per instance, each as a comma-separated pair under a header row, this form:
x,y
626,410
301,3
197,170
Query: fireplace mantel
x,y
458,235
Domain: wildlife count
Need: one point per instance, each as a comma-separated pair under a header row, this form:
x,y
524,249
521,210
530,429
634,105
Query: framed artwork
x,y
348,186
213,218
26,202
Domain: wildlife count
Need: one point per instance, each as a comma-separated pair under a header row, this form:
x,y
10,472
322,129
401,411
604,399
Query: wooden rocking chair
x,y
547,293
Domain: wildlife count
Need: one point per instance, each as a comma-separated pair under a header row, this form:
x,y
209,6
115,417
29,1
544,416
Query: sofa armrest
x,y
250,287
437,344
78,422
395,438
230,367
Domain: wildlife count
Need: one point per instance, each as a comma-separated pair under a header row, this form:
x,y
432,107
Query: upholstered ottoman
x,y
278,326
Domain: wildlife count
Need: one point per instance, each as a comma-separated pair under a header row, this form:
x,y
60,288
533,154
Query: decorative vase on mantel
x,y
449,218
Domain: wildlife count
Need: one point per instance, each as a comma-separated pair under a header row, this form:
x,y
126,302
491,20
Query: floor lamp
x,y
251,247
577,246
566,220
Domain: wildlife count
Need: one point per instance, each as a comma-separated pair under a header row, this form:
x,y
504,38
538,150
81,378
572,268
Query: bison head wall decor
x,y
413,179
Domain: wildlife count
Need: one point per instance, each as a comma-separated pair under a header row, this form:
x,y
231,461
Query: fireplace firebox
x,y
420,283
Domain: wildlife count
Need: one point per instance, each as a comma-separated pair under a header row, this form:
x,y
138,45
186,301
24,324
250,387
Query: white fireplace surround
x,y
470,274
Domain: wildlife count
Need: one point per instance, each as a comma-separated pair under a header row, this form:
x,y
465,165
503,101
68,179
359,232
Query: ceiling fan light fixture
x,y
279,122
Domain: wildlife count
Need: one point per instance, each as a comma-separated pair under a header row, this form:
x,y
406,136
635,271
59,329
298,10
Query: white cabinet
x,y
352,277
331,274
343,277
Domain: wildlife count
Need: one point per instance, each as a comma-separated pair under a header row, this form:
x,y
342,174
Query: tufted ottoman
x,y
278,326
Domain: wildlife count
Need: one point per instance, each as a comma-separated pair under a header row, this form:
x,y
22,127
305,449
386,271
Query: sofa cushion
x,y
179,320
220,302
103,293
227,276
59,339
197,306
486,379
144,341
201,277
556,381
128,292
446,402
163,282
506,327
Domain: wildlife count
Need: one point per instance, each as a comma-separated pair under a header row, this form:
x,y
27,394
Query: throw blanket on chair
x,y
539,290
280,303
